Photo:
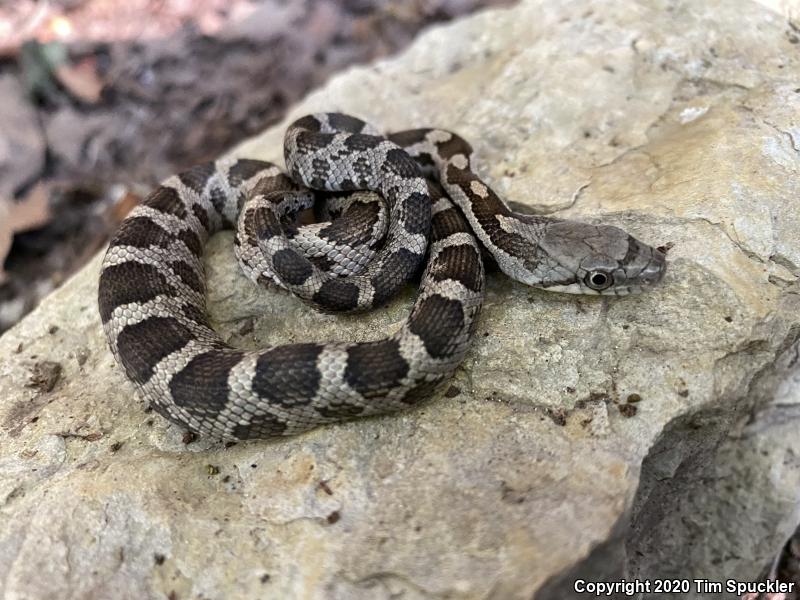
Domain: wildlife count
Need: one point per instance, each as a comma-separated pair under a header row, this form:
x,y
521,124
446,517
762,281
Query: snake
x,y
415,188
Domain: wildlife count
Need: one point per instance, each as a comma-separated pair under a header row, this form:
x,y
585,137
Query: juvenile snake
x,y
152,284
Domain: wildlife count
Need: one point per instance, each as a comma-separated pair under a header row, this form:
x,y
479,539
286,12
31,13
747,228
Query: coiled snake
x,y
152,285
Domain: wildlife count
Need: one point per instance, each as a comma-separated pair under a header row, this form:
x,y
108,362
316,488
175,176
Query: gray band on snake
x,y
152,284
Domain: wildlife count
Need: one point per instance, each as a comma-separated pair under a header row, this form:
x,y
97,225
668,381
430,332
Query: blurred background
x,y
101,99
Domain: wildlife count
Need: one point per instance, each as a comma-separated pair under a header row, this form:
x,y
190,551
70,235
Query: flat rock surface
x,y
575,429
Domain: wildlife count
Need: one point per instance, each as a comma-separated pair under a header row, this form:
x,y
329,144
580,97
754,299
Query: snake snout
x,y
653,273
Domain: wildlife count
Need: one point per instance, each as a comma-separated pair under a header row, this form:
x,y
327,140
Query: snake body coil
x,y
152,284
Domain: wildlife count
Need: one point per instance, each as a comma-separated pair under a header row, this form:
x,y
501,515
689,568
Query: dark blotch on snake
x,y
399,163
459,263
362,168
130,282
195,315
445,223
455,145
291,267
247,229
435,190
513,243
361,142
340,410
356,228
197,177
268,186
344,122
434,321
375,368
244,169
265,224
459,177
488,212
202,216
296,174
398,266
319,173
167,200
308,122
287,375
142,232
218,200
143,345
188,275
408,137
418,214
322,262
336,295
207,375
260,426
311,143
425,160
193,243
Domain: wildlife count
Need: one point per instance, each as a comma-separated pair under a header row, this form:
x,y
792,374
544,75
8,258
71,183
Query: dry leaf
x,y
32,211
122,206
5,237
81,80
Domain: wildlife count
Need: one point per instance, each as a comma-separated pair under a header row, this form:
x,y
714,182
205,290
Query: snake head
x,y
579,258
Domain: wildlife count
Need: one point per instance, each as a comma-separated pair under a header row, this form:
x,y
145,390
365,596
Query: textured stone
x,y
675,120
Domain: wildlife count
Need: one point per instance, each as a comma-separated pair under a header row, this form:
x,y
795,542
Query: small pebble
x,y
452,392
558,415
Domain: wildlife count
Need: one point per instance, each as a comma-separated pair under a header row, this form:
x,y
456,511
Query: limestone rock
x,y
583,437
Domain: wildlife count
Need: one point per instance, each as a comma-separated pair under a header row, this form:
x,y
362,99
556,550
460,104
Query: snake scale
x,y
152,283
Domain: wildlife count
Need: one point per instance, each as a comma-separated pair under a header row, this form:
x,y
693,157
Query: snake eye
x,y
597,280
